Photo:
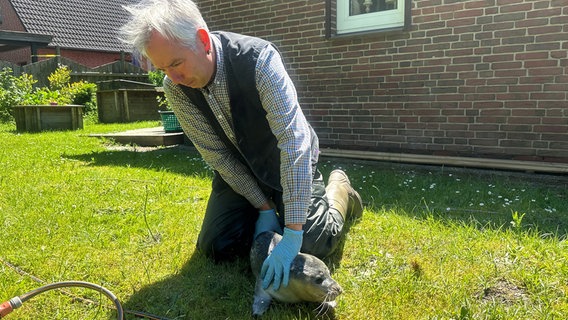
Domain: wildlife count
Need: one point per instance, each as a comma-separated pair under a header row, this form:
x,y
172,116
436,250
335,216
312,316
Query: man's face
x,y
182,65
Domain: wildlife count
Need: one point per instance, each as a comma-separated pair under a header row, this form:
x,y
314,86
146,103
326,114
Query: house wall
x,y
480,78
90,59
10,21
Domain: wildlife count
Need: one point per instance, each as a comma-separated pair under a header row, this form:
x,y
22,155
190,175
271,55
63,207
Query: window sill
x,y
387,31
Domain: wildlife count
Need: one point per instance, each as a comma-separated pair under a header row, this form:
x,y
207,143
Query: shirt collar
x,y
219,64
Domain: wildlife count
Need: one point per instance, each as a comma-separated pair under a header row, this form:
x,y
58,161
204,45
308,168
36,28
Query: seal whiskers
x,y
328,303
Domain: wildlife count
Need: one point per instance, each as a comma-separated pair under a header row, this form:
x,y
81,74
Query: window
x,y
369,15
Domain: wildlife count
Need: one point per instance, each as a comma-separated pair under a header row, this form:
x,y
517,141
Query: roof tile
x,y
77,24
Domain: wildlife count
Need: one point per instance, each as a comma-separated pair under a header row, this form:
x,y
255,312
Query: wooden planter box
x,y
127,101
48,117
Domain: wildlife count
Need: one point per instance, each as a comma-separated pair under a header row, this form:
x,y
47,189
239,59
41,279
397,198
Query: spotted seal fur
x,y
310,279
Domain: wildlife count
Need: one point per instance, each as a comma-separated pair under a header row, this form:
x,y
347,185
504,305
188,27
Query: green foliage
x,y
84,93
13,90
156,77
44,95
58,92
60,78
163,102
517,220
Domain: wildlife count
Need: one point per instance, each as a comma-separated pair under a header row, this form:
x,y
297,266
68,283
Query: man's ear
x,y
203,36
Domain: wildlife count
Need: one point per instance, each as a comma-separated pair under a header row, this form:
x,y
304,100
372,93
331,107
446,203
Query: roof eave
x,y
25,38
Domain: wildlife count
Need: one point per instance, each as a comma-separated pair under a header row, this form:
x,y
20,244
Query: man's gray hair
x,y
176,20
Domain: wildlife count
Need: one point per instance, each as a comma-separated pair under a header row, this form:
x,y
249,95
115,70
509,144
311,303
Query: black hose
x,y
16,302
57,285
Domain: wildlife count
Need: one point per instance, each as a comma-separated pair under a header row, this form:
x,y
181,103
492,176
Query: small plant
x,y
157,78
517,221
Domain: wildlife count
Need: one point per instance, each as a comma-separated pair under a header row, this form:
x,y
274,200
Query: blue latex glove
x,y
267,221
277,264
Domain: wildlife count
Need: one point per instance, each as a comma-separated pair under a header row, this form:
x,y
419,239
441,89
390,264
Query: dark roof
x,y
76,24
11,40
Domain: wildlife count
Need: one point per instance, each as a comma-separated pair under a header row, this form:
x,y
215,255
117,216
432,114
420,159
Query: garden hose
x,y
16,302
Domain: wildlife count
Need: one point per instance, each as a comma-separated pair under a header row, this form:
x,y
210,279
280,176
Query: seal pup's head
x,y
310,279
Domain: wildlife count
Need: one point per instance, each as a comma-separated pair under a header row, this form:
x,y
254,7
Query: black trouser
x,y
229,222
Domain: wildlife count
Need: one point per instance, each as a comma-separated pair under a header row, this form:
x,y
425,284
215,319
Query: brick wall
x,y
483,78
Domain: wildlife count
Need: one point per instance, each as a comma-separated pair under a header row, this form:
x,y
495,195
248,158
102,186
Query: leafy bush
x,y
13,90
60,78
84,93
156,77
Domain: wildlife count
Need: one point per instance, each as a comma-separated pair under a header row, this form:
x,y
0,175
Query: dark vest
x,y
256,142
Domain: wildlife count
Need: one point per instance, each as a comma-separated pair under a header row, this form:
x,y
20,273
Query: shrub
x,y
84,93
13,90
60,78
156,77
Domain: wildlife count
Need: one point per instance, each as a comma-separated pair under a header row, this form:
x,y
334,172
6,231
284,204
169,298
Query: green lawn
x,y
433,243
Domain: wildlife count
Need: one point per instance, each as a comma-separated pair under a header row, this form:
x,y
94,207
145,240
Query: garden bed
x,y
35,118
127,101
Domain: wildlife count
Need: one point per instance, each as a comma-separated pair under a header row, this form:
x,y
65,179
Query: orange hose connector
x,y
5,309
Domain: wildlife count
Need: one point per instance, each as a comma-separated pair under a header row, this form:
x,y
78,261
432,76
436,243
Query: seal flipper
x,y
262,299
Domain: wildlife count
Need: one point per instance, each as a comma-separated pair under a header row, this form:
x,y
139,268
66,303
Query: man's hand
x,y
276,267
267,221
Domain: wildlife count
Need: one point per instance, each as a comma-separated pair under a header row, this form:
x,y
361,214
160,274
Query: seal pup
x,y
310,279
